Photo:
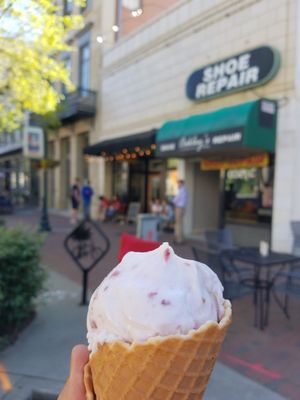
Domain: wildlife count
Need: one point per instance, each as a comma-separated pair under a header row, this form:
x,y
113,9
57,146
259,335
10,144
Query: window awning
x,y
139,144
237,129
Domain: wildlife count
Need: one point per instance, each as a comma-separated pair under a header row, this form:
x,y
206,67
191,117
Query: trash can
x,y
147,227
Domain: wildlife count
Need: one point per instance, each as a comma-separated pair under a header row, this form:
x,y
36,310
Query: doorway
x,y
206,200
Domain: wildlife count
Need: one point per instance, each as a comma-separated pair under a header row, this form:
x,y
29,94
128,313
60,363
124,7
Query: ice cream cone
x,y
162,368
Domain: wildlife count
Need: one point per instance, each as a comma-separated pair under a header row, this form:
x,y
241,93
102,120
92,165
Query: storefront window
x,y
249,194
120,180
68,67
172,177
84,68
68,7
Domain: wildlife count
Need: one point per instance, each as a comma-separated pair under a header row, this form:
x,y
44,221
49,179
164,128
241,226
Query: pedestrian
x,y
75,200
87,194
180,203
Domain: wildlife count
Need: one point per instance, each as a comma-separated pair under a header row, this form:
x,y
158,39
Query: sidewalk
x,y
39,359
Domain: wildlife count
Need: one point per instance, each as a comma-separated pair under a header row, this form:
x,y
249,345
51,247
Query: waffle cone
x,y
162,368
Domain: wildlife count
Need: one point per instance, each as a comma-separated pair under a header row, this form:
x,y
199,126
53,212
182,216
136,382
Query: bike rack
x,y
80,246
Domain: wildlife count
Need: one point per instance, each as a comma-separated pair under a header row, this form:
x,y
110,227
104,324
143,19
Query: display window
x,y
249,195
171,177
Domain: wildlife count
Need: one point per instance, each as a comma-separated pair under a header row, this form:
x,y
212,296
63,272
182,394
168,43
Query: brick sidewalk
x,y
271,357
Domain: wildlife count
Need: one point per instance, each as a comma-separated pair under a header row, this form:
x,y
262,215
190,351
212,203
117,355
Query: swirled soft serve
x,y
150,294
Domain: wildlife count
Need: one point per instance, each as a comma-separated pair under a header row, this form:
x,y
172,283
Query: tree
x,y
33,34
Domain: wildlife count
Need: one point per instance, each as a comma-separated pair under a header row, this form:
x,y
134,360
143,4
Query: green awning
x,y
249,126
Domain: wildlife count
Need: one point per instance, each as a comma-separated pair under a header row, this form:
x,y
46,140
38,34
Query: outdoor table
x,y
265,271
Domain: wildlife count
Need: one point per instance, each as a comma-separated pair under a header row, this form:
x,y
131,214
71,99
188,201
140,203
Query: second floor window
x,y
68,67
87,5
68,7
84,67
132,4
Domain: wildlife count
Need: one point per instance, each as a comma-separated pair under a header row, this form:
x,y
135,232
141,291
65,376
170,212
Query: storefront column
x,y
108,180
101,175
295,190
57,174
74,162
286,184
287,161
146,184
296,181
93,173
223,174
181,168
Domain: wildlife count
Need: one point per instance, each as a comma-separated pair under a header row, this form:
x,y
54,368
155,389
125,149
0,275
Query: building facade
x,y
19,179
79,113
145,75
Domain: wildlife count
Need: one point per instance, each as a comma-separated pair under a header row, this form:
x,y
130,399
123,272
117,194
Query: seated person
x,y
114,208
156,207
167,215
103,206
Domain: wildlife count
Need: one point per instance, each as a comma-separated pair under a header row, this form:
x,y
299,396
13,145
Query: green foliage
x,y
21,276
33,35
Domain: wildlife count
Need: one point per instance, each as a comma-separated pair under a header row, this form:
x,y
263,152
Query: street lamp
x,y
44,221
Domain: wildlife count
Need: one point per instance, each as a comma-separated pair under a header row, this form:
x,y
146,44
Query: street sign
x,y
87,244
33,146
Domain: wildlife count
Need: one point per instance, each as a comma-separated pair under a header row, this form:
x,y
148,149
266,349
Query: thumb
x,y
74,389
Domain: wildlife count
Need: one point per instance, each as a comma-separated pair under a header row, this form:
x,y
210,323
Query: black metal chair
x,y
288,282
209,257
230,276
289,286
233,278
220,238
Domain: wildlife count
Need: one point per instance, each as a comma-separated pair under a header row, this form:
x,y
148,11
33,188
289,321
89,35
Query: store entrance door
x,y
206,200
154,188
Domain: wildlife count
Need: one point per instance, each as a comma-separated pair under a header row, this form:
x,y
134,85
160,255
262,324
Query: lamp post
x,y
44,221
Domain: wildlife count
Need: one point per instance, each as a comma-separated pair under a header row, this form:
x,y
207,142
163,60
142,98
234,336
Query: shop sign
x,y
45,163
258,160
240,72
203,142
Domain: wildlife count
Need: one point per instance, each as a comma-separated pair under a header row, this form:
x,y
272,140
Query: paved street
x,y
40,356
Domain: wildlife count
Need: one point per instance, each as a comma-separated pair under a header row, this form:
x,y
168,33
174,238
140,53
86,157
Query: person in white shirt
x,y
156,207
180,203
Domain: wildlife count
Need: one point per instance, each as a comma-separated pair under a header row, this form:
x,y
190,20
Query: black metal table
x,y
265,271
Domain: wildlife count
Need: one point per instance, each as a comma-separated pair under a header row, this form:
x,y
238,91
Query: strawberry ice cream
x,y
153,294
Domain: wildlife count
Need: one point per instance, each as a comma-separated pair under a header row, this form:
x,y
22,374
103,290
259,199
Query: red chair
x,y
133,243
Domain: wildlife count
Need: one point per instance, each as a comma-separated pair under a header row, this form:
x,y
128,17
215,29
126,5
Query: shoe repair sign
x,y
240,72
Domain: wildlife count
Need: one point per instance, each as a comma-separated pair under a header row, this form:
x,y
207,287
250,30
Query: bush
x,y
21,277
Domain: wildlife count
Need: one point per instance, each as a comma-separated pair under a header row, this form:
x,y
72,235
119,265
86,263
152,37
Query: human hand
x,y
74,387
